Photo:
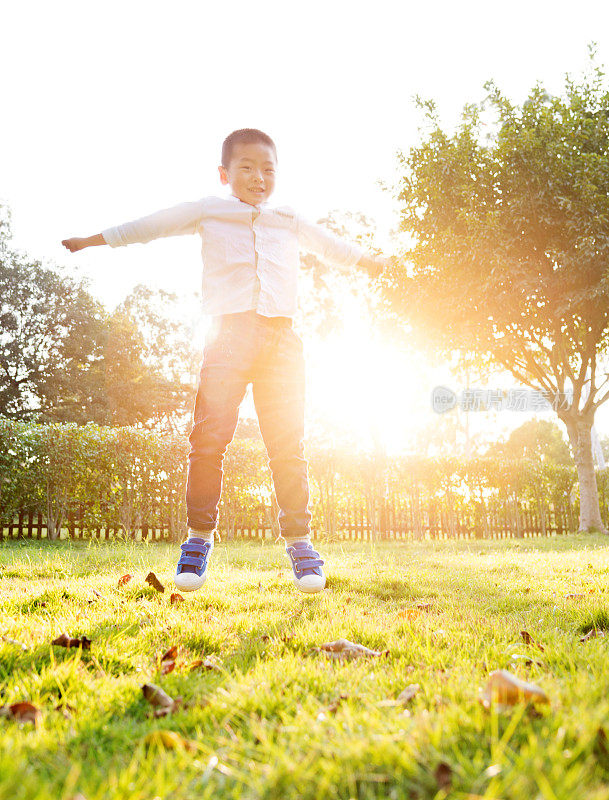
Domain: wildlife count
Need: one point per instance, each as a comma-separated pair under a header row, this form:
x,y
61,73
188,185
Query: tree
x,y
535,439
151,361
509,216
51,338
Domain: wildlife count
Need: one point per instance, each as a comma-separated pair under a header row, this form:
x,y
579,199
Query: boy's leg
x,y
222,386
279,397
279,388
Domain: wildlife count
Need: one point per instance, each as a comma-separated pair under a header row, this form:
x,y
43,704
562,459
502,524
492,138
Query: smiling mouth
x,y
257,191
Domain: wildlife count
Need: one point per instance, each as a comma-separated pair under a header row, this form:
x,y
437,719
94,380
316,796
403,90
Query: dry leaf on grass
x,y
507,690
574,596
592,634
522,658
344,649
168,660
66,709
528,639
153,581
169,740
125,579
406,695
65,640
443,775
204,663
332,708
162,702
22,712
176,598
425,606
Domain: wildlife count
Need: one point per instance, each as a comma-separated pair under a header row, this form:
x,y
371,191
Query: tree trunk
x,y
579,431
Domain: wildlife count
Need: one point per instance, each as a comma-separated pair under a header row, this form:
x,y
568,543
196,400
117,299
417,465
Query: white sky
x,y
113,110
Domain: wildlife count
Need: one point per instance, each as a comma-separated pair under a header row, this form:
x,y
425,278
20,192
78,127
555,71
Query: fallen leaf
x,y
406,695
443,775
153,581
163,703
507,690
425,606
22,712
204,663
65,640
333,707
169,740
343,648
168,660
574,596
592,634
176,598
527,589
601,747
528,639
125,579
524,659
171,654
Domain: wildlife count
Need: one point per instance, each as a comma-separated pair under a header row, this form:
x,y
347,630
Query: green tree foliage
x,y
536,439
155,351
51,340
509,218
64,358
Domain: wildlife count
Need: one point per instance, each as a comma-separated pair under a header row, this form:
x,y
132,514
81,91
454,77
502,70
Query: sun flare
x,y
361,385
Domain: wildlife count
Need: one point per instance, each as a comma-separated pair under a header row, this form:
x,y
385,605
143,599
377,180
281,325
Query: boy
x,y
250,270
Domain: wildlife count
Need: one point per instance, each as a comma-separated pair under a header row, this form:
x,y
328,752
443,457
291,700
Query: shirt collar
x,y
264,203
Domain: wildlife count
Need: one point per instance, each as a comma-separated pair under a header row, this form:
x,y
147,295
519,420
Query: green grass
x,y
261,722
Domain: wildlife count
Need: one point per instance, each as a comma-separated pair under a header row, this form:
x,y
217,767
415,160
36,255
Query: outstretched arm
x,y
334,250
175,221
75,243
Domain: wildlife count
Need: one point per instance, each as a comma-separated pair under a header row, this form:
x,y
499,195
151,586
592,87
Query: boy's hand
x,y
74,244
374,266
79,244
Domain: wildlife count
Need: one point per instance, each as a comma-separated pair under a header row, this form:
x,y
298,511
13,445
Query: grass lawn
x,y
266,722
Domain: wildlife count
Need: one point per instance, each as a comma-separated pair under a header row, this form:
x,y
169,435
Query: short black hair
x,y
244,136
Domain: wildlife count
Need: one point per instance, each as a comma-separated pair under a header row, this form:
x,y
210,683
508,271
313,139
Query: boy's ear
x,y
223,175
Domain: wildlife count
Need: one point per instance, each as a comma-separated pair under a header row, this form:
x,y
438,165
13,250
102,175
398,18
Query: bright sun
x,y
360,384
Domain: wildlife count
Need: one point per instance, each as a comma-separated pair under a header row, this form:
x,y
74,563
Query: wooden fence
x,y
391,519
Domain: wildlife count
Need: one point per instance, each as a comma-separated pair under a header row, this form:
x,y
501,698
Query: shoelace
x,y
305,559
194,555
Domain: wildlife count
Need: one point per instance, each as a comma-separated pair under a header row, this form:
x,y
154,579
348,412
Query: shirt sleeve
x,y
174,221
330,248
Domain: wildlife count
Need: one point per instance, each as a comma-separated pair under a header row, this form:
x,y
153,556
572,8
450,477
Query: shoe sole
x,y
309,589
189,586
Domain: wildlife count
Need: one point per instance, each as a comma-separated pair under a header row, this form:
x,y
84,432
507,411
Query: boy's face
x,y
252,167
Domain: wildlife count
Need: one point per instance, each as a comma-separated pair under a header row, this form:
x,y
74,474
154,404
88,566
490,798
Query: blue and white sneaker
x,y
191,571
306,566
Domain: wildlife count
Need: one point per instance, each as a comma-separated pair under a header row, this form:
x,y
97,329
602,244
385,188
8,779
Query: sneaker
x,y
191,571
306,565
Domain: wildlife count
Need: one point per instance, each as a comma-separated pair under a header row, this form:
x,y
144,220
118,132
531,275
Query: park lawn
x,y
265,723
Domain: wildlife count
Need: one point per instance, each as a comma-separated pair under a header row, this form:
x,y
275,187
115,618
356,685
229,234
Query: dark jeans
x,y
264,351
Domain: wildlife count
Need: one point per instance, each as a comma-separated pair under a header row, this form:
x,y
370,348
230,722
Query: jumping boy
x,y
250,269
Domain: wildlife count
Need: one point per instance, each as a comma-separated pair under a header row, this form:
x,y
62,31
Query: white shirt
x,y
250,253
